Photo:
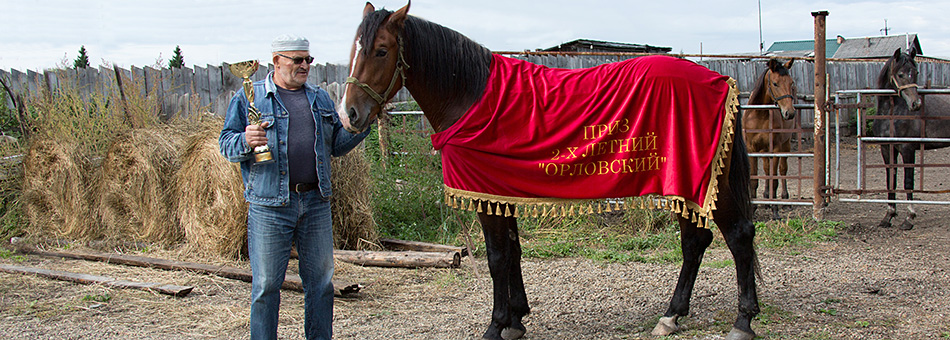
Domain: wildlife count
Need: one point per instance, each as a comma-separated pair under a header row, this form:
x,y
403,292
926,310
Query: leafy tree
x,y
177,61
82,61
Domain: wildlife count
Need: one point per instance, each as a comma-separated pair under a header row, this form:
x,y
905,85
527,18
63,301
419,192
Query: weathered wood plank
x,y
402,259
394,244
80,278
291,282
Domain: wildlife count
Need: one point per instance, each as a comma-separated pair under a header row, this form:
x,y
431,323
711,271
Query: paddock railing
x,y
863,192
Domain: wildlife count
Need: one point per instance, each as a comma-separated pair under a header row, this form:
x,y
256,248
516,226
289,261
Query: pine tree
x,y
177,61
82,61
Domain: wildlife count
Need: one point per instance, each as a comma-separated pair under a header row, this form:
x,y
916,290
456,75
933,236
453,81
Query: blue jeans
x,y
306,221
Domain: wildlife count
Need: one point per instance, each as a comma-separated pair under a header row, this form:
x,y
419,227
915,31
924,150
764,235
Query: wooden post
x,y
820,99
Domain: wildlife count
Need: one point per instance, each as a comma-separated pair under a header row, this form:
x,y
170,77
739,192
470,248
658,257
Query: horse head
x,y
377,67
781,87
900,74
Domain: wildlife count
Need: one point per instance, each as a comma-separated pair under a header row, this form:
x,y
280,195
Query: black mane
x,y
892,65
450,62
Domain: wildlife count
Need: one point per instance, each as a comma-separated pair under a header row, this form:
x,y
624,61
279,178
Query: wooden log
x,y
291,282
394,244
404,259
163,288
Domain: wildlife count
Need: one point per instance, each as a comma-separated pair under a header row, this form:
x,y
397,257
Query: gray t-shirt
x,y
301,136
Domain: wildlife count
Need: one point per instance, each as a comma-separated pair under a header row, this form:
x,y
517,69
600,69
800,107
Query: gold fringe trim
x,y
520,206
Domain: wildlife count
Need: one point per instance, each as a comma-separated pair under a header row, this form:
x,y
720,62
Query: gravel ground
x,y
870,283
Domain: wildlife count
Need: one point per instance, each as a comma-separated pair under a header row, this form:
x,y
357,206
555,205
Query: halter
x,y
401,67
902,87
768,88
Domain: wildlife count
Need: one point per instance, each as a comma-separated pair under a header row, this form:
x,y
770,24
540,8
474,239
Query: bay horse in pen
x,y
684,156
774,86
906,114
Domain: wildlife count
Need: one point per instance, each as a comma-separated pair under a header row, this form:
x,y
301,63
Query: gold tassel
x,y
498,209
471,205
534,213
507,212
479,207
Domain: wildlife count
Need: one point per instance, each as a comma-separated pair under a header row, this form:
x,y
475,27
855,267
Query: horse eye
x,y
381,53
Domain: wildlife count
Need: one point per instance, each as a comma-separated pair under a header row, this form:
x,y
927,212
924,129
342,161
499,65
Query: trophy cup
x,y
244,69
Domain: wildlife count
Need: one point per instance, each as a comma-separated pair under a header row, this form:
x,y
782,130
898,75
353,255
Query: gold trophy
x,y
244,69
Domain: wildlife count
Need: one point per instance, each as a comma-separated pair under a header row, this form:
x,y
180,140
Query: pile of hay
x,y
353,223
136,189
58,181
211,206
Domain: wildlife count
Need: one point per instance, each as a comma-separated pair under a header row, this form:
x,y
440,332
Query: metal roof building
x,y
587,45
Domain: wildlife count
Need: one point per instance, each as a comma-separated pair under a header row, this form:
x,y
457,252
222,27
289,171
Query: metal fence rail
x,y
861,190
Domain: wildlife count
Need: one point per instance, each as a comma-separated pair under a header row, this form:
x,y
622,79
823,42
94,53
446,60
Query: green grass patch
x,y
795,233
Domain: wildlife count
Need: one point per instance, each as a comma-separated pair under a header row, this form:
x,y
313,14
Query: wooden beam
x,y
163,288
394,244
404,259
291,281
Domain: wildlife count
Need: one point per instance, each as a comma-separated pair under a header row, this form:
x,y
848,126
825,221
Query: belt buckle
x,y
297,187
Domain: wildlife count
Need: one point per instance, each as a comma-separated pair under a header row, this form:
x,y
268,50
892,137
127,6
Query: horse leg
x,y
889,154
909,158
694,241
754,182
772,185
739,234
504,262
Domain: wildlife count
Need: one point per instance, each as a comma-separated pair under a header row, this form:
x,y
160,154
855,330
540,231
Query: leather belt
x,y
303,187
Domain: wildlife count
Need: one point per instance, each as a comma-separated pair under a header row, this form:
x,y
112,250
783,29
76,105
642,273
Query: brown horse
x,y
447,73
774,86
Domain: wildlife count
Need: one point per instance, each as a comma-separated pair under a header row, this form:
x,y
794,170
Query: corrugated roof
x,y
876,47
605,46
801,48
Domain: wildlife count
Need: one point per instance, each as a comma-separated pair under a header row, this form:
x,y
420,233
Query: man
x,y
289,199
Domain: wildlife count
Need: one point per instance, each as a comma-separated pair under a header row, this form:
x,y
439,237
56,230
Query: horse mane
x,y
450,62
883,78
757,96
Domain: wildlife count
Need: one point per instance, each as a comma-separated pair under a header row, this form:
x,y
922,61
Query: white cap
x,y
287,42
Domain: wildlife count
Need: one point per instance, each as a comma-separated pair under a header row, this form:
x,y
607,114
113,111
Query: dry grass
x,y
136,191
212,210
353,224
56,191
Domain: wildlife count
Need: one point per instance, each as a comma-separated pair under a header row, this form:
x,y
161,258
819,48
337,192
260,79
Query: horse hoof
x,y
512,333
737,334
666,326
906,226
884,224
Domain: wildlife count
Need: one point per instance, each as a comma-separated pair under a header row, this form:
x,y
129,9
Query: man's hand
x,y
255,135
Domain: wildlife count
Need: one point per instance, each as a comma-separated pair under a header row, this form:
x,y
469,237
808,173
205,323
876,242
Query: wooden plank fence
x,y
209,88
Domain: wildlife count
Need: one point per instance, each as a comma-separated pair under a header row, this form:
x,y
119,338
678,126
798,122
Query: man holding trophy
x,y
283,131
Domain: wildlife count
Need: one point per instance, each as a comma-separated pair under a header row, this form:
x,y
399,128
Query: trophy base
x,y
263,157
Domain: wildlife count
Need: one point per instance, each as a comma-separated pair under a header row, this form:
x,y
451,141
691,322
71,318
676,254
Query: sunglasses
x,y
298,60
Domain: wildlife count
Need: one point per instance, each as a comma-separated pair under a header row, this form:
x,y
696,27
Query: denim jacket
x,y
268,184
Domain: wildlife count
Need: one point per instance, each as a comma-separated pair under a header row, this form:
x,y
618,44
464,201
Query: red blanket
x,y
652,128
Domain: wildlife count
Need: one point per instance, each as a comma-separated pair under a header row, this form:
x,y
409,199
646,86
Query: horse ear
x,y
399,17
897,54
913,51
773,64
368,9
788,65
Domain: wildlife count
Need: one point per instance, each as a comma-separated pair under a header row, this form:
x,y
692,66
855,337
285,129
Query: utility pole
x,y
885,29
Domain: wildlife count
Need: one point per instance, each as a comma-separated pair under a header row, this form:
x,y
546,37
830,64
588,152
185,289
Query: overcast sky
x,y
41,34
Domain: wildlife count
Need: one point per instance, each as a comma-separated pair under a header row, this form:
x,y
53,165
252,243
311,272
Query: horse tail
x,y
739,171
739,179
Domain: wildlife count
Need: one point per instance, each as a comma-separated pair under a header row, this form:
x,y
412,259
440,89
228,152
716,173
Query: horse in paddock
x,y
900,74
463,90
774,86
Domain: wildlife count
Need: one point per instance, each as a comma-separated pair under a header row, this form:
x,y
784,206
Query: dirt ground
x,y
870,283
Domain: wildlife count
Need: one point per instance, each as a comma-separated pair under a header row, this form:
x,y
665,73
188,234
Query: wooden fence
x,y
210,88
